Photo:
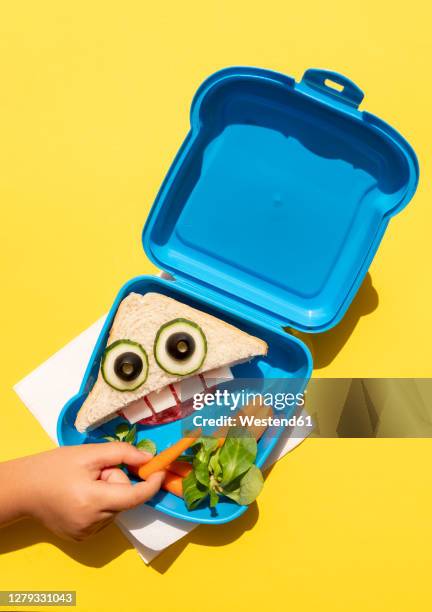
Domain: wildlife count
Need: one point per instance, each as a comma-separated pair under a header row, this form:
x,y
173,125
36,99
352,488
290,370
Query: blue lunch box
x,y
269,216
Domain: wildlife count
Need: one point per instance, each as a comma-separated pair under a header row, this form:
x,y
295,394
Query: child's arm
x,y
74,491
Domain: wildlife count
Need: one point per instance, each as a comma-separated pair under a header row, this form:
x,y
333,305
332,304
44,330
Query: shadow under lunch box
x,y
269,216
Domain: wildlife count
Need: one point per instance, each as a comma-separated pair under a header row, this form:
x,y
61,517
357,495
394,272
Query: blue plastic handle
x,y
317,79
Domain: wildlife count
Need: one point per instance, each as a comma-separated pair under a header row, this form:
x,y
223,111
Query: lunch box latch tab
x,y
332,86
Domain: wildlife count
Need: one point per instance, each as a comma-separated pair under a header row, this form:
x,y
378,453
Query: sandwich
x,y
160,352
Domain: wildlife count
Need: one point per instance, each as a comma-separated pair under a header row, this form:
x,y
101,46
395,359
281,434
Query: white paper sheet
x,y
45,391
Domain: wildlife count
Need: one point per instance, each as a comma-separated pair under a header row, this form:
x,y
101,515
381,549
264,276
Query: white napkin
x,y
45,391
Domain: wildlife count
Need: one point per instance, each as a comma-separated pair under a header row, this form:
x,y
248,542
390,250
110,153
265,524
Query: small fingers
x,y
112,453
121,496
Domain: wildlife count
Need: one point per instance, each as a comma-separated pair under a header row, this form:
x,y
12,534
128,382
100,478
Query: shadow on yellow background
x,y
110,543
208,535
105,546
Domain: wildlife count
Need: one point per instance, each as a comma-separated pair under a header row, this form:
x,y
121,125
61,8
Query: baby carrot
x,y
167,456
181,468
173,484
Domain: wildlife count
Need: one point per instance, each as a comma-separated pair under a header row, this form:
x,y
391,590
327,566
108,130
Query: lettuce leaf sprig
x,y
228,470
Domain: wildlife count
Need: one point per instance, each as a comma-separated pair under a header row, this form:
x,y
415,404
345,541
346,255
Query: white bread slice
x,y
139,318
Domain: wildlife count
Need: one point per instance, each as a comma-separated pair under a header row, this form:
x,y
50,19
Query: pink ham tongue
x,y
180,411
142,411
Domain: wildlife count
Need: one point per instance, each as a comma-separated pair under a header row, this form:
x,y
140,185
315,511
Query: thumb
x,y
118,497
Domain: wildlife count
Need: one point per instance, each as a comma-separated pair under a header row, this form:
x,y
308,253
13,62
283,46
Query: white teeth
x,y
136,411
165,398
161,400
187,388
218,375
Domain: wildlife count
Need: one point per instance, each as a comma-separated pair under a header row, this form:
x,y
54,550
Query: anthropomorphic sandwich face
x,y
159,353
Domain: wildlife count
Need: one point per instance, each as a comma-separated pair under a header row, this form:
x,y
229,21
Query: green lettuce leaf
x,y
214,498
121,431
215,467
193,491
250,487
131,435
147,445
237,454
202,459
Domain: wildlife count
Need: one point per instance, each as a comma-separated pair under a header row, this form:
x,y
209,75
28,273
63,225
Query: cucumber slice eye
x,y
124,365
180,347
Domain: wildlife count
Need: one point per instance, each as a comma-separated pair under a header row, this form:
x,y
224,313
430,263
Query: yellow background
x,y
94,101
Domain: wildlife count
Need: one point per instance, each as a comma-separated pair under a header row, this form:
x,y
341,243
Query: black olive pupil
x,y
128,366
180,346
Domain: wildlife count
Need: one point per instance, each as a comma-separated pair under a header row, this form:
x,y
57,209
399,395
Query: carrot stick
x,y
167,456
181,468
173,483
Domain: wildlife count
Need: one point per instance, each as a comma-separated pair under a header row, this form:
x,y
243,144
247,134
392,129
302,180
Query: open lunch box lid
x,y
280,194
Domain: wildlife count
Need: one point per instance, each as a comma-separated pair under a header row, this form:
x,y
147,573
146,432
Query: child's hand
x,y
75,491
